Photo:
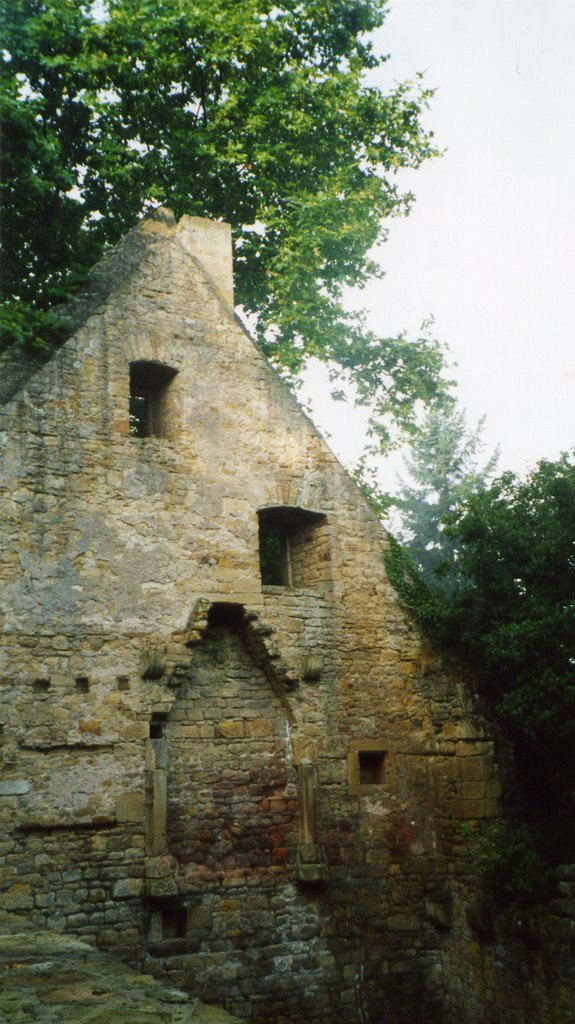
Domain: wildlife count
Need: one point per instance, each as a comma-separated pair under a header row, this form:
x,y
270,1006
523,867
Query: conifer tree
x,y
444,466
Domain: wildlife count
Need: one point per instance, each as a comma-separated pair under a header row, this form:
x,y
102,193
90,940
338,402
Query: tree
x,y
444,468
254,112
512,620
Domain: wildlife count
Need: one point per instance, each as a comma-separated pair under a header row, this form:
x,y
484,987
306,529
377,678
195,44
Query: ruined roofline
x,y
208,242
208,245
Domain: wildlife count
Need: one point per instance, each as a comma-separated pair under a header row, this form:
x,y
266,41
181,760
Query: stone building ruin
x,y
227,757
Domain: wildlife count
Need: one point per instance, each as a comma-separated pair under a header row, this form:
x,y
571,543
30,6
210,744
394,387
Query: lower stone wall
x,y
87,882
402,950
280,956
212,826
326,930
514,967
54,979
269,951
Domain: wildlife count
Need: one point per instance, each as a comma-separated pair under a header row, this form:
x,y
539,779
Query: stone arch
x,y
257,636
232,784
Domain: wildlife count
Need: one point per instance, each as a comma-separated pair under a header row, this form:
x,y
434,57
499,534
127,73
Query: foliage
x,y
272,557
411,587
512,619
443,469
366,478
257,113
507,857
30,329
515,615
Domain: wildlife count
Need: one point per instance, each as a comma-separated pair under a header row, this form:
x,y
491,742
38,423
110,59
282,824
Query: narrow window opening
x,y
149,383
371,767
139,415
82,684
274,556
41,685
158,725
288,547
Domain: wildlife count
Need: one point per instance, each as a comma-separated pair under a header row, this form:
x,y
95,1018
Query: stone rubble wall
x,y
51,978
187,753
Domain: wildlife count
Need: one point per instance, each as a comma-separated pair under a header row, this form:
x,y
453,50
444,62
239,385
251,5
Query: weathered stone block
x,y
259,727
199,919
474,748
231,729
160,888
128,888
130,807
17,897
14,787
403,923
471,790
471,769
440,913
160,867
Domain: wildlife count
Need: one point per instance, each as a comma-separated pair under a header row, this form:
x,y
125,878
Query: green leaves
x,y
33,331
256,113
507,858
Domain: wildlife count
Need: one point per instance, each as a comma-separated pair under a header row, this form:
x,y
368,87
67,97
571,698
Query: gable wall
x,y
117,548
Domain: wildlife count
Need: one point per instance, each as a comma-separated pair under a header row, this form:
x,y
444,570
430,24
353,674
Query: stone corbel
x,y
312,666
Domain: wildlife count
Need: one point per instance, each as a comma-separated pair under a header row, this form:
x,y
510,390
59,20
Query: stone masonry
x,y
226,756
51,978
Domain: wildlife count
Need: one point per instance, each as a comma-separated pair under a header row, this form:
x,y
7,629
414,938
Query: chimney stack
x,y
210,241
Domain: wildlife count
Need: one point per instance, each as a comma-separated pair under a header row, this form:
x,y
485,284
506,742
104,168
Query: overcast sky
x,y
488,248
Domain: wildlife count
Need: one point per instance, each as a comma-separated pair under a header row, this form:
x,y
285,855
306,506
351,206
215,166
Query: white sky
x,y
489,246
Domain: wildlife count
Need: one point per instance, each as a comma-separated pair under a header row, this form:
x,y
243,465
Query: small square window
x,y
174,922
371,767
168,934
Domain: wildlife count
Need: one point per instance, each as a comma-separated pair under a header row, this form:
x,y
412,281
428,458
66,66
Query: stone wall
x,y
52,978
253,790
